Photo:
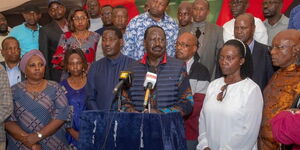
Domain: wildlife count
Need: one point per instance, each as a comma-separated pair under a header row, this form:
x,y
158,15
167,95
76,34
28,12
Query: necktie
x,y
198,33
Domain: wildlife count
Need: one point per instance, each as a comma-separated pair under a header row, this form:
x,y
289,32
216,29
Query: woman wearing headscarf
x,y
40,109
232,109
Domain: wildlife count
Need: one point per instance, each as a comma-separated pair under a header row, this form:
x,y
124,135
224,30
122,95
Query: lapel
x,y
205,41
255,54
55,27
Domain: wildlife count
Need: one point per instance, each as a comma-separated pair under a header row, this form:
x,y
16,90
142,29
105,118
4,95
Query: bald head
x,y
184,14
186,46
286,48
244,27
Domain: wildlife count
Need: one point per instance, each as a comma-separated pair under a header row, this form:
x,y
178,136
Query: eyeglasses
x,y
184,45
223,92
79,18
282,47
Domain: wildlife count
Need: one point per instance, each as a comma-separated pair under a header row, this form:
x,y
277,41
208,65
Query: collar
x,y
162,19
144,59
190,61
14,68
116,60
38,27
291,67
251,46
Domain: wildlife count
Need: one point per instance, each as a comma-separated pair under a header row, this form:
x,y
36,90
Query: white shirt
x,y
14,75
95,24
260,33
231,124
189,64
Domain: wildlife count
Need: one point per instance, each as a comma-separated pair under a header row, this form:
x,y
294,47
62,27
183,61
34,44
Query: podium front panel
x,y
102,130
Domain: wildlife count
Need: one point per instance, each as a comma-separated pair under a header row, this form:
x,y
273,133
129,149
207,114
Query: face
x,y
93,8
11,51
184,16
155,43
75,65
238,7
157,8
120,18
244,30
57,11
282,52
3,24
111,44
230,60
186,46
271,8
80,20
200,11
31,18
106,15
35,68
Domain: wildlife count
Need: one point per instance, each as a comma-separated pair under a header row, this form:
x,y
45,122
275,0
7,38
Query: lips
x,y
157,48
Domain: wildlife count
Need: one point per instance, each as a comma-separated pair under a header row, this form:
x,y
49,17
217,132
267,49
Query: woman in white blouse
x,y
232,110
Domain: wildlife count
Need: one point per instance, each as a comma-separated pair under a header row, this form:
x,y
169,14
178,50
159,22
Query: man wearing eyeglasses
x,y
275,20
284,86
186,47
238,7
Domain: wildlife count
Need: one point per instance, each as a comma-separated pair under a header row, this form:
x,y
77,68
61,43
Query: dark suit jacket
x,y
209,49
48,40
262,64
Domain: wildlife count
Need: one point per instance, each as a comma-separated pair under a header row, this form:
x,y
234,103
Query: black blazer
x,y
262,64
49,36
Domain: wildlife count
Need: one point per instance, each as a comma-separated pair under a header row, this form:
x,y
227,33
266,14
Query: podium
x,y
104,130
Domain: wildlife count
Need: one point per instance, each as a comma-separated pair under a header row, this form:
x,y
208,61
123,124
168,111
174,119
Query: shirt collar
x,y
14,68
116,60
161,19
251,46
144,59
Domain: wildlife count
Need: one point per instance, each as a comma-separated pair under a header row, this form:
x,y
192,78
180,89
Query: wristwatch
x,y
40,135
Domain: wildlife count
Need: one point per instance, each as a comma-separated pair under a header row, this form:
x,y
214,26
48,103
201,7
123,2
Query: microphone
x,y
149,84
125,79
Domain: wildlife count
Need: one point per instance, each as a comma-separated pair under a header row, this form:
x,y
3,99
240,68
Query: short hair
x,y
72,14
9,38
247,67
116,30
204,1
77,51
153,26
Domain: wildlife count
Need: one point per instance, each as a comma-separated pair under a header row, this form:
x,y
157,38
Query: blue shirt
x,y
28,38
294,22
14,75
102,78
134,35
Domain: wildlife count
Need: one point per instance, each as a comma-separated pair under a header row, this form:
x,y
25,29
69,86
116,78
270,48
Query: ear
x,y
242,61
296,50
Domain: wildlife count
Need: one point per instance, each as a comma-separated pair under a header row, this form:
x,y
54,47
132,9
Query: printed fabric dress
x,y
67,41
33,112
76,99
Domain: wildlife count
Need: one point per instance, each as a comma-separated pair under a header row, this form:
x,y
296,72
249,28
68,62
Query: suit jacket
x,y
210,46
22,74
262,64
48,40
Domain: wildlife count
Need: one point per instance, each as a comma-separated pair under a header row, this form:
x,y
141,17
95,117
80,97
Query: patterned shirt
x,y
6,104
279,95
134,35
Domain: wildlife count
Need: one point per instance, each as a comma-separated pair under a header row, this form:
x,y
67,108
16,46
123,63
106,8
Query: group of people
x,y
237,87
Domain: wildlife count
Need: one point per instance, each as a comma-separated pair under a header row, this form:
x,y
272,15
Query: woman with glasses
x,y
232,109
78,37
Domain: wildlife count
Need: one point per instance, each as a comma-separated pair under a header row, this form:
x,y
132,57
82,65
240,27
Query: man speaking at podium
x,y
169,89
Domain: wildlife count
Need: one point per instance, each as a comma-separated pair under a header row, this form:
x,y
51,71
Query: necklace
x,y
81,38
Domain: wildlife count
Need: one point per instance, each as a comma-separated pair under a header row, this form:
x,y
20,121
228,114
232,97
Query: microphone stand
x,y
147,103
119,100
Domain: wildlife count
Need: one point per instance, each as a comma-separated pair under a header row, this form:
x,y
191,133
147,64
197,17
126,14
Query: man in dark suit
x,y
244,28
50,35
210,36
